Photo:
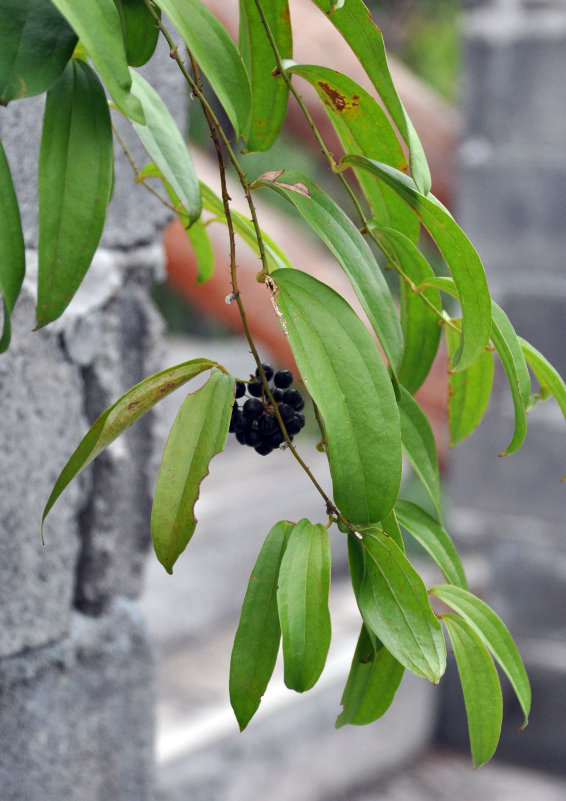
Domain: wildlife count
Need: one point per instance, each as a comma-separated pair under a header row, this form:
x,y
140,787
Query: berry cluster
x,y
255,423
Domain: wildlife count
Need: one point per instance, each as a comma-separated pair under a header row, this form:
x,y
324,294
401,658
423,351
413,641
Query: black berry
x,y
254,388
267,369
277,395
294,398
240,389
301,418
286,411
253,408
253,437
268,424
263,449
283,379
276,438
241,437
293,426
238,422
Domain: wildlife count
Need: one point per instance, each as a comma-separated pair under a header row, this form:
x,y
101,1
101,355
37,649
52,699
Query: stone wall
x,y
512,196
76,668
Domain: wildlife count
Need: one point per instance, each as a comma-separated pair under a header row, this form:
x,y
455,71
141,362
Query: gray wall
x,y
512,201
76,668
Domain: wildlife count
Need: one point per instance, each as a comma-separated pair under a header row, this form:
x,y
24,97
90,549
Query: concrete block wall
x,y
76,668
512,196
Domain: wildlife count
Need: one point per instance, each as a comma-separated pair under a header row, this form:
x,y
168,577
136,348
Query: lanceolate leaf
x,y
75,179
347,379
495,635
204,253
217,54
354,23
244,228
363,128
127,409
434,539
344,240
372,683
138,29
508,347
97,23
420,324
302,598
390,525
458,252
35,44
506,333
482,691
269,94
547,376
509,351
470,391
164,143
395,606
12,261
419,446
198,433
257,639
545,373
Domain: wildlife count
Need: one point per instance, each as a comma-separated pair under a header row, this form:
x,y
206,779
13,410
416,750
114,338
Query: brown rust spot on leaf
x,y
337,98
165,387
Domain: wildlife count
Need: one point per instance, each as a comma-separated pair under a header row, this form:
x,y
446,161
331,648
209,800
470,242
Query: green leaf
x,y
204,253
394,605
269,93
198,433
216,54
302,599
75,180
508,347
363,128
390,525
35,44
97,23
353,21
420,324
548,377
371,686
12,263
276,258
470,391
458,252
495,635
509,351
139,30
482,691
115,420
419,446
166,146
346,243
257,639
345,375
434,539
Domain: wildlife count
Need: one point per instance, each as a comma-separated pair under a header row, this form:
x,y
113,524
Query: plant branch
x,y
218,134
137,174
333,166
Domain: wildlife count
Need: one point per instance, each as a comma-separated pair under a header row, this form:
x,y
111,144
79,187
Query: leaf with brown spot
x,y
364,129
